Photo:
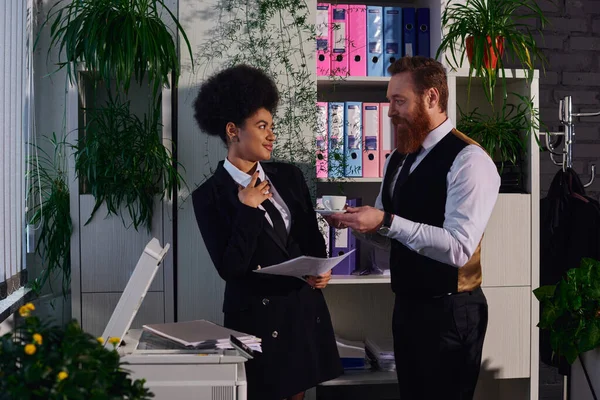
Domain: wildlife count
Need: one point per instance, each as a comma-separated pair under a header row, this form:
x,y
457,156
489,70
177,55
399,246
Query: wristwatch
x,y
384,229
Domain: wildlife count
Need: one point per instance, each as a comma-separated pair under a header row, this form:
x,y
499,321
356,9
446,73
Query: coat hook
x,y
592,177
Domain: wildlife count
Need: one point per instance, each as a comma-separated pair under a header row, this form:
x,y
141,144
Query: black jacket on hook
x,y
569,231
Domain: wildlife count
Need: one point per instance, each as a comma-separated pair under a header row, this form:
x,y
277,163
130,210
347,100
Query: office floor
x,y
358,392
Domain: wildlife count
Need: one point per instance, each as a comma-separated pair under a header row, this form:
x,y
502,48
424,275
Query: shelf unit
x,y
362,305
358,280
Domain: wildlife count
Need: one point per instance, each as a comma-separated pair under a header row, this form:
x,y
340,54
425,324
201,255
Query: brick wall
x,y
572,45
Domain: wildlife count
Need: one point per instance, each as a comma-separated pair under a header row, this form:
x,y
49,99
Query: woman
x,y
251,215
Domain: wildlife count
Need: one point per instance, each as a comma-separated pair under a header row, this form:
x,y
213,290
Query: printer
x,y
171,372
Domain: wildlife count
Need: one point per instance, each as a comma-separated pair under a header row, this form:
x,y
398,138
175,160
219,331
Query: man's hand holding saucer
x,y
364,219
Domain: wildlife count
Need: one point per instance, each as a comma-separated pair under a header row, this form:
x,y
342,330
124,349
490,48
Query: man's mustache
x,y
398,120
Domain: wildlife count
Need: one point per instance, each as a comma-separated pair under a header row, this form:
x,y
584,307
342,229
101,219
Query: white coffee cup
x,y
334,203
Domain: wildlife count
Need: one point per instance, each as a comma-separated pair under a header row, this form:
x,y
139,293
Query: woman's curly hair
x,y
233,95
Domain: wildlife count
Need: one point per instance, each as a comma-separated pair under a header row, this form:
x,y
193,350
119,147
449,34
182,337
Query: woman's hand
x,y
252,195
320,281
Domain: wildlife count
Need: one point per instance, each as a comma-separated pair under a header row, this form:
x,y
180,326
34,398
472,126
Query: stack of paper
x,y
202,334
302,266
381,352
352,354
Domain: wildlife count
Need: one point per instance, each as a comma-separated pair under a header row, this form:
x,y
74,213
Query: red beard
x,y
411,133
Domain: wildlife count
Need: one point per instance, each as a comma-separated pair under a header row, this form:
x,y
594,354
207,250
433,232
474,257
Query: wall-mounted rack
x,y
566,115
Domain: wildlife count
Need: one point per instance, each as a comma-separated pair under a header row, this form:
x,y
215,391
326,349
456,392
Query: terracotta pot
x,y
494,58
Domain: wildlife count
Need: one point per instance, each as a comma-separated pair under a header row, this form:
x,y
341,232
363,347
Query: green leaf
x,y
544,293
590,337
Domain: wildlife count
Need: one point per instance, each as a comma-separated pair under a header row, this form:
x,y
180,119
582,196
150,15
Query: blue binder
x,y
423,32
375,41
335,152
410,32
353,138
392,36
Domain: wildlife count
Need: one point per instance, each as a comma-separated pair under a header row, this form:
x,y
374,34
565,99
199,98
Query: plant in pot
x,y
487,29
503,135
50,216
122,160
570,312
40,361
117,40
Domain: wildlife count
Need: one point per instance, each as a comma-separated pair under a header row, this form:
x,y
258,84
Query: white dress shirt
x,y
473,184
243,179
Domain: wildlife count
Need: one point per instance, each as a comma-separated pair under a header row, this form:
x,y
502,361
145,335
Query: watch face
x,y
384,230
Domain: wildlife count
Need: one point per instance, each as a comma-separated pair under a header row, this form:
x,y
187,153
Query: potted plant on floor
x,y
39,361
571,313
487,29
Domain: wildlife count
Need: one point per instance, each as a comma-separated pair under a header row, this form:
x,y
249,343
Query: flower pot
x,y
580,389
487,63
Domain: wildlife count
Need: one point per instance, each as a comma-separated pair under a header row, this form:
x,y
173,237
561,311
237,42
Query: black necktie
x,y
405,170
275,216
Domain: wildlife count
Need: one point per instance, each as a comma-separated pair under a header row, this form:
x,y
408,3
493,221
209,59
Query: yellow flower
x,y
25,311
30,349
37,338
114,340
62,375
100,340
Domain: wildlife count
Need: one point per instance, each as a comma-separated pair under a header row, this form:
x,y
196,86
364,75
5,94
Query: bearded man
x,y
437,195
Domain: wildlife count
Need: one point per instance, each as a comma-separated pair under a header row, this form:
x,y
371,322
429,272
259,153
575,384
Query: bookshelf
x,y
362,305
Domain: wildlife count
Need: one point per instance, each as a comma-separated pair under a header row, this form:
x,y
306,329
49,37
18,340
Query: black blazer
x,y
239,238
291,318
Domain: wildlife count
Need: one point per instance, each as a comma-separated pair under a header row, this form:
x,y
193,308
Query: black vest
x,y
422,199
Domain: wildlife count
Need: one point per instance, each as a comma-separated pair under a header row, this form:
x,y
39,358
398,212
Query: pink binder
x,y
338,33
387,138
323,40
322,141
371,140
357,40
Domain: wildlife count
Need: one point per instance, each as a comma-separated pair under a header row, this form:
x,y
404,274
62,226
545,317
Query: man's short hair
x,y
426,73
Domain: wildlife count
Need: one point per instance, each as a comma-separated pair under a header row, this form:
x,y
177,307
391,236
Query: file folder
x,y
343,241
323,226
392,36
387,138
321,140
357,40
423,37
409,34
375,41
370,154
338,32
335,152
353,139
323,40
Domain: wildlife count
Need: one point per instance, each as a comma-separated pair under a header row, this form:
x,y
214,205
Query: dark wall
x,y
572,45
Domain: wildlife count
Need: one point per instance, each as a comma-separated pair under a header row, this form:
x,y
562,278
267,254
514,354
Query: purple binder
x,y
342,241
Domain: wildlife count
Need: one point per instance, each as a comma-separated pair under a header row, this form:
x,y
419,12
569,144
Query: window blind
x,y
15,127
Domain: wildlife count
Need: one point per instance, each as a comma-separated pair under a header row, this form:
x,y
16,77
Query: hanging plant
x,y
123,162
116,39
51,216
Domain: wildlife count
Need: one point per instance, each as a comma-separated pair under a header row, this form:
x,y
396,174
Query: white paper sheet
x,y
303,266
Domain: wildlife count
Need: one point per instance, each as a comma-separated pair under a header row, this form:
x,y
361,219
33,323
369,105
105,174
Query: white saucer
x,y
329,212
